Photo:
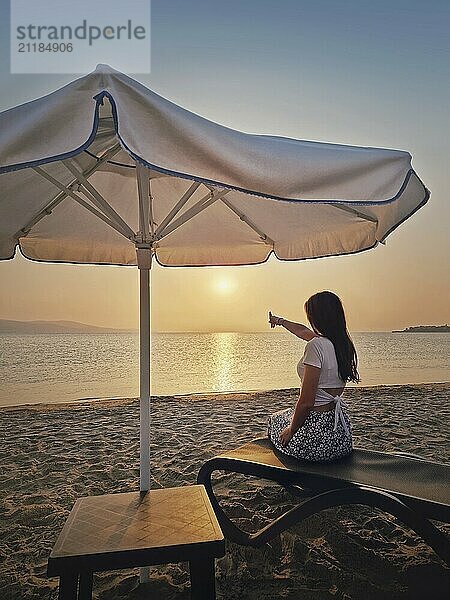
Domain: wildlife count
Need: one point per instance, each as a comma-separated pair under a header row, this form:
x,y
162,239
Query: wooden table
x,y
119,531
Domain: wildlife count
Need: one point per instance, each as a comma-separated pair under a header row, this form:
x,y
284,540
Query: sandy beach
x,y
53,454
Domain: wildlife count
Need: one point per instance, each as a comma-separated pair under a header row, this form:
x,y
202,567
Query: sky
x,y
352,72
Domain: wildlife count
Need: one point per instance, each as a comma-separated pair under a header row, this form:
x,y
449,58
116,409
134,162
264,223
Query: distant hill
x,y
7,326
425,329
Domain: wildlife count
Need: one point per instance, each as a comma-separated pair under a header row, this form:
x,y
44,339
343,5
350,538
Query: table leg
x,y
68,586
203,579
85,589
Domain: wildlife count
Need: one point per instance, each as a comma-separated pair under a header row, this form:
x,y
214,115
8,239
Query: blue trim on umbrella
x,y
99,101
422,203
65,155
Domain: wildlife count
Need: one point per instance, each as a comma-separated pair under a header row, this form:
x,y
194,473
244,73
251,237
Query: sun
x,y
224,286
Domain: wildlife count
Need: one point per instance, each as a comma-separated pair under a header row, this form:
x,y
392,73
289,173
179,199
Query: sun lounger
x,y
412,489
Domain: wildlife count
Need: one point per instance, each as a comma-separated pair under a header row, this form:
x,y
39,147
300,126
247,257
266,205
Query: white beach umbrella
x,y
105,171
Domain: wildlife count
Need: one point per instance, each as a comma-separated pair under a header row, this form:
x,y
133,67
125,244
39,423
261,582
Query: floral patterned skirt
x,y
316,440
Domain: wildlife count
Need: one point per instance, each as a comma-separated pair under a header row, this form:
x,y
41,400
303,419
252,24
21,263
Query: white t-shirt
x,y
320,352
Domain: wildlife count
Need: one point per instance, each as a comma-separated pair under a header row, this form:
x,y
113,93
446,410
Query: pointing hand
x,y
273,319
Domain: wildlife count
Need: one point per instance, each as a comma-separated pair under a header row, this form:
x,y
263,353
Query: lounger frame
x,y
315,493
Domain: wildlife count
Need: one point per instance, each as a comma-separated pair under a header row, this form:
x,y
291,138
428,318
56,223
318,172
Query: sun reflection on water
x,y
224,349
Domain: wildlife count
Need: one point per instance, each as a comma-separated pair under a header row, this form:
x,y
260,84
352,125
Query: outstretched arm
x,y
297,329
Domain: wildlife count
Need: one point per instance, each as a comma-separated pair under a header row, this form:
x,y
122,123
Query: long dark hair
x,y
326,315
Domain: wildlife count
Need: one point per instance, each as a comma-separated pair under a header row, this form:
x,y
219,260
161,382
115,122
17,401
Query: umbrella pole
x,y
144,263
144,252
144,386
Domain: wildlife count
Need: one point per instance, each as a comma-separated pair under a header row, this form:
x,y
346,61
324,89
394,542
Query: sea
x,y
53,368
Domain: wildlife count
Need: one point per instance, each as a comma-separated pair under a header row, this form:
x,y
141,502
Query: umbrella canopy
x,y
216,196
105,171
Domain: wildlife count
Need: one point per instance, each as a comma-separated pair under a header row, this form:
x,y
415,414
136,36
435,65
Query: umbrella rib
x,y
77,198
189,214
99,213
127,231
181,202
358,213
150,207
60,197
243,217
98,199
